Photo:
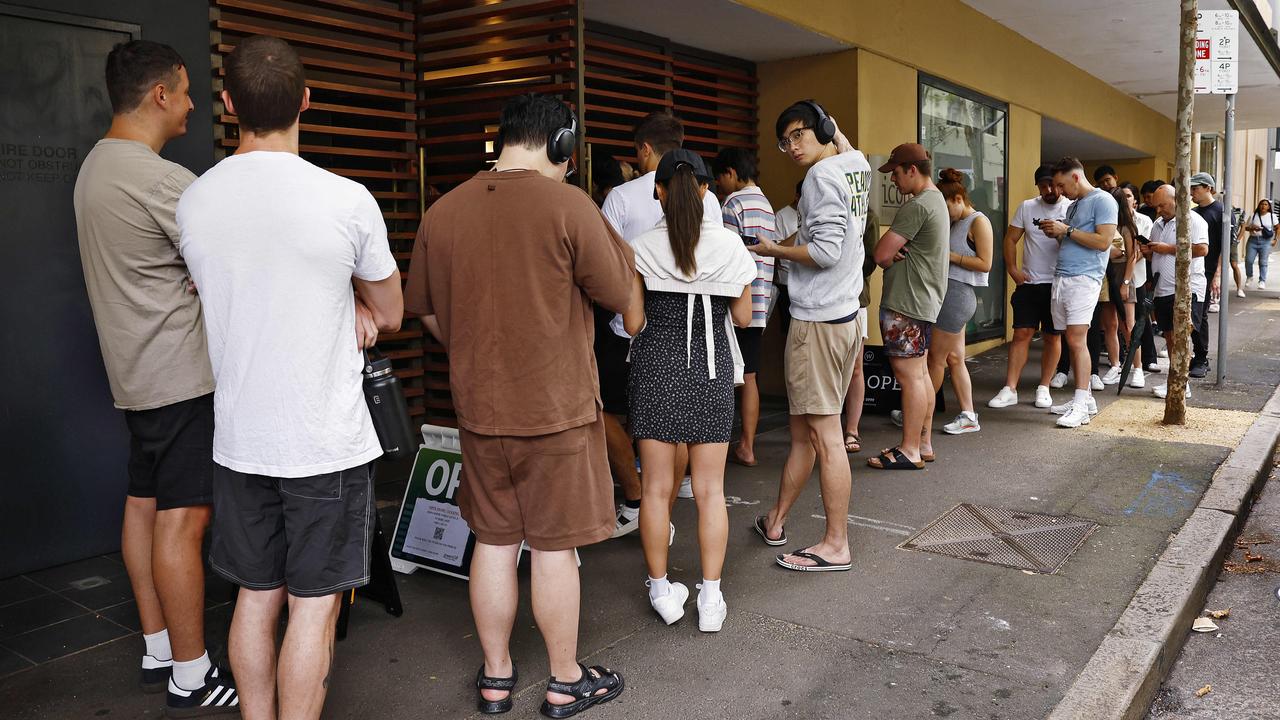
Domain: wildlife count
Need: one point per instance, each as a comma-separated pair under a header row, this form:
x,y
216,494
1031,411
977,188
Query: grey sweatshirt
x,y
833,215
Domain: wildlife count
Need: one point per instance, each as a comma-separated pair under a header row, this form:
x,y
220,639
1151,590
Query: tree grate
x,y
1023,540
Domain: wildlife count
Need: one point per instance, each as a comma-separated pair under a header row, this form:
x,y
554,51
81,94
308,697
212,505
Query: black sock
x,y
633,504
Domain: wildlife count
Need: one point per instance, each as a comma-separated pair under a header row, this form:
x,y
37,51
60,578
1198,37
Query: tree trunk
x,y
1175,404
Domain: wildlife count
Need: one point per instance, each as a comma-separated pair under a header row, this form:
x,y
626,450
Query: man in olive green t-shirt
x,y
914,254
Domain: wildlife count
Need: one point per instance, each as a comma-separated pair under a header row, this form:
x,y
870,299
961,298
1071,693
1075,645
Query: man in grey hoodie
x,y
825,335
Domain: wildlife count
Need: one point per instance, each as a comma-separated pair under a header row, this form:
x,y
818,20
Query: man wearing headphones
x,y
504,271
825,336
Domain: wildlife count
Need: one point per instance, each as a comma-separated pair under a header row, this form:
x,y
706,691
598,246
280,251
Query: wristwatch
x,y
1128,281
1070,229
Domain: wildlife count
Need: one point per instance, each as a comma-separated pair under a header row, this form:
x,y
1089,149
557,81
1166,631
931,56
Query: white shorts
x,y
1073,300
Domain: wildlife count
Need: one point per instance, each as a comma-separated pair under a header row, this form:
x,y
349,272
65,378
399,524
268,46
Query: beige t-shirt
x,y
149,325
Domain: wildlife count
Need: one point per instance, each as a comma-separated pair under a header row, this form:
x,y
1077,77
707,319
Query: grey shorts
x,y
958,307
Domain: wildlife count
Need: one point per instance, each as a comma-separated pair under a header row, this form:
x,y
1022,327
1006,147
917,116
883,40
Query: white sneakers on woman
x,y
671,597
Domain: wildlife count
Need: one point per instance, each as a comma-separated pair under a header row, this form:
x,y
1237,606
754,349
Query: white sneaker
x,y
1248,283
1075,417
1059,380
1006,397
1112,377
1214,307
711,616
670,607
1137,379
1162,391
965,422
1095,383
627,522
1262,285
1163,352
1043,398
1240,293
896,417
686,489
1091,405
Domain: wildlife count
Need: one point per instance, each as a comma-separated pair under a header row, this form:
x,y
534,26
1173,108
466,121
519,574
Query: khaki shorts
x,y
819,363
552,491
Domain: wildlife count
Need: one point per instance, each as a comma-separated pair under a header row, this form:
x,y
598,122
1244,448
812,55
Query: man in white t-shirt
x,y
633,209
1162,256
1034,280
275,245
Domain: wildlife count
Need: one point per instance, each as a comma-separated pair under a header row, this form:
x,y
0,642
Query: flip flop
x,y
764,533
821,563
893,459
854,440
733,458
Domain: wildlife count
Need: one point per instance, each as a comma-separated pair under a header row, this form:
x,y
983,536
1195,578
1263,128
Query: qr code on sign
x,y
437,534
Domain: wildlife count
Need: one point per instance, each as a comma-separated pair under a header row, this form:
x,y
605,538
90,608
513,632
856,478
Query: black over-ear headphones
x,y
825,129
563,142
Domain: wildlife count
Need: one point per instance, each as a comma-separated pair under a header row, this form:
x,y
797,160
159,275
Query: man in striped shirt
x,y
748,212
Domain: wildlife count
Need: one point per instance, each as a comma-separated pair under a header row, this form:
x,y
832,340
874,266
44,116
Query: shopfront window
x,y
1209,154
968,132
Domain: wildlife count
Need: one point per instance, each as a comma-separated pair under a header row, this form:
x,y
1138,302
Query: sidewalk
x,y
905,634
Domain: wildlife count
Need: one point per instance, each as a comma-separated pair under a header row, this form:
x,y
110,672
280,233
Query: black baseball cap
x,y
676,159
1044,172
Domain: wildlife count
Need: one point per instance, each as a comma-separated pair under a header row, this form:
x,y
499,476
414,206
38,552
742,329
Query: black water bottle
x,y
387,407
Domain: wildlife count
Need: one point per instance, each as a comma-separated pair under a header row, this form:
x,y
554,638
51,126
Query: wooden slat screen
x,y
472,55
359,60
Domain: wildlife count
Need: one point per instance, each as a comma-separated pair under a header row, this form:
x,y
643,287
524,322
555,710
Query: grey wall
x,y
62,446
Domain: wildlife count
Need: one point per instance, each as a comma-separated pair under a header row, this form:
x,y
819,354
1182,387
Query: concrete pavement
x,y
903,635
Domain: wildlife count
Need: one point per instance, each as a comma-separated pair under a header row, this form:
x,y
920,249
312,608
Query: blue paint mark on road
x,y
1165,494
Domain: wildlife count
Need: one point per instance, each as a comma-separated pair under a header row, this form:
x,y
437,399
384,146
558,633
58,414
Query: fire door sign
x,y
1217,69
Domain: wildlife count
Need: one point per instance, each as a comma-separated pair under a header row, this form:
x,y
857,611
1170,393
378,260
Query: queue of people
x,y
582,335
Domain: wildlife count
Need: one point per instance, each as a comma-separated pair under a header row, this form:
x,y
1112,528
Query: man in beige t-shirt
x,y
153,346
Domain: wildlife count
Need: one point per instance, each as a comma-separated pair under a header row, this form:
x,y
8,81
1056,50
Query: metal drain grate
x,y
1022,540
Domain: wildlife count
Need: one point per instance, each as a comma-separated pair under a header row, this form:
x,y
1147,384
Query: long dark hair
x,y
1125,218
683,211
1258,210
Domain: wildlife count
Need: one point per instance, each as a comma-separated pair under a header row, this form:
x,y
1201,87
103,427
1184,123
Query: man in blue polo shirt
x,y
1084,238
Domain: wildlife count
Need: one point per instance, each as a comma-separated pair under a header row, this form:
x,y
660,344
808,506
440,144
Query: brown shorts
x,y
819,363
552,491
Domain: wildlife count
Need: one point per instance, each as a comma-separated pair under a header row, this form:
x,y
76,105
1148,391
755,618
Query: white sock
x,y
158,652
189,675
967,413
710,593
1082,396
1042,387
659,587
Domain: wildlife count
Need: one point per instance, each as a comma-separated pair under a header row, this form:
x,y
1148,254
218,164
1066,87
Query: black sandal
x,y
484,682
594,679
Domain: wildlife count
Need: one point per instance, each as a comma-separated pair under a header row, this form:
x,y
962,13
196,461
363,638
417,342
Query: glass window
x,y
1209,154
968,132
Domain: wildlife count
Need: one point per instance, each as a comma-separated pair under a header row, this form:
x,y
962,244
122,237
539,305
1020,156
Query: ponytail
x,y
683,212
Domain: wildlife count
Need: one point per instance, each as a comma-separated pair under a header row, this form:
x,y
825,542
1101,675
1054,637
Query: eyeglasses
x,y
792,138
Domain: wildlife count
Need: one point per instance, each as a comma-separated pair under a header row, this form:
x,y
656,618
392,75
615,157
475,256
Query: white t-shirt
x,y
1140,265
786,222
272,243
1268,221
1166,231
632,210
1039,251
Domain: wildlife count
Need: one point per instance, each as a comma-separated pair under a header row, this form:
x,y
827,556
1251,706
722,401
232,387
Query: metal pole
x,y
1224,262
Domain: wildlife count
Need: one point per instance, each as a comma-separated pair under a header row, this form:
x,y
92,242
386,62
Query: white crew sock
x,y
710,593
158,652
189,675
658,587
1082,396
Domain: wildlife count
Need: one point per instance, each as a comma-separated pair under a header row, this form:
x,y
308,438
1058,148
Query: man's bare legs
x,y
178,573
306,656
749,408
824,437
795,474
1050,355
494,594
622,458
136,542
854,398
252,647
917,402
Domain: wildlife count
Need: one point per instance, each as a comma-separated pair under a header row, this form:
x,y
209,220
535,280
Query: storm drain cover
x,y
1022,540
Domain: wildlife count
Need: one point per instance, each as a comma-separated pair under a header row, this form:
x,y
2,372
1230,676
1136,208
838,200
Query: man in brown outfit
x,y
503,274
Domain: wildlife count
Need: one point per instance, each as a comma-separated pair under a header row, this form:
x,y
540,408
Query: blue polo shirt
x,y
1086,214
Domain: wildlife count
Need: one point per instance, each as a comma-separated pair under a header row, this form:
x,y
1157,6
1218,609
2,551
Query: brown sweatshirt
x,y
509,263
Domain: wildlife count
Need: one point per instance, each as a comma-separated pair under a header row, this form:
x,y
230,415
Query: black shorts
x,y
310,534
1164,314
611,363
1032,307
749,345
171,453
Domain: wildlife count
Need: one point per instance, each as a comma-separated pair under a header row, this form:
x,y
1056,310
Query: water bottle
x,y
387,407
